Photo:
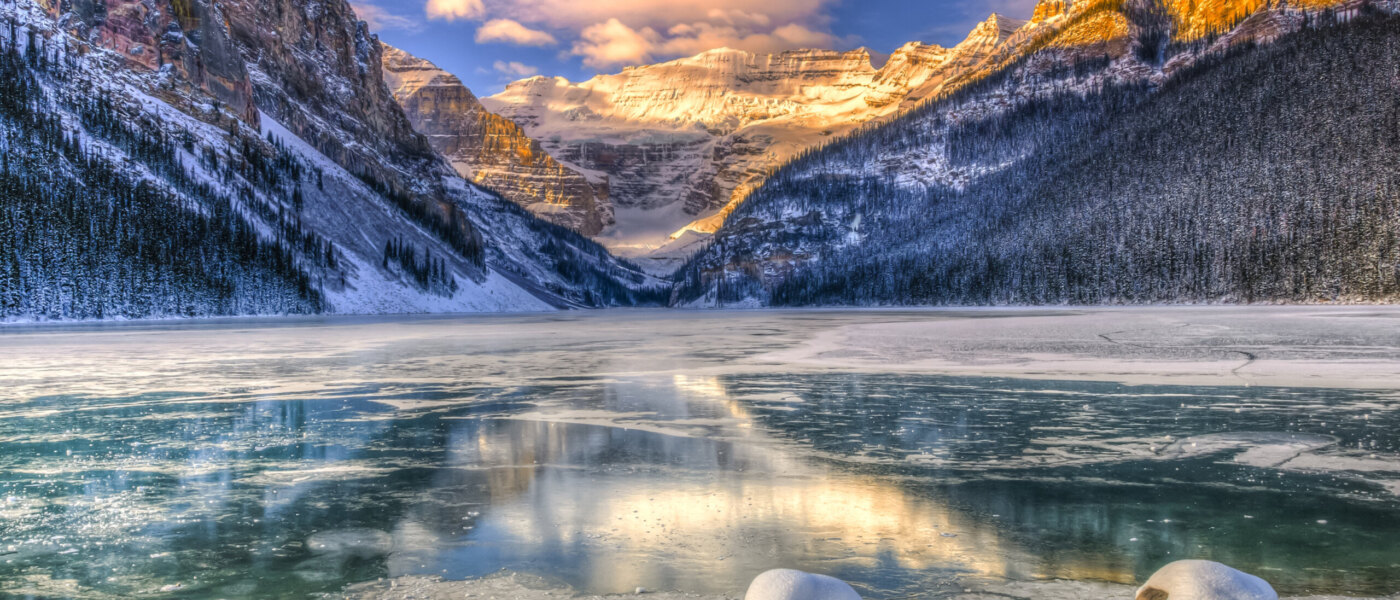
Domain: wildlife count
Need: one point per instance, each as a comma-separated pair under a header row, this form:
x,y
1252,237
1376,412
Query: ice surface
x,y
668,450
1347,347
359,542
505,586
1260,449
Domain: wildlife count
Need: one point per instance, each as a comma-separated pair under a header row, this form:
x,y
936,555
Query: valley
x,y
681,144
1026,164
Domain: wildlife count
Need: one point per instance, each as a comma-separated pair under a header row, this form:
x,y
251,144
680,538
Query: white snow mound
x,y
1204,580
791,584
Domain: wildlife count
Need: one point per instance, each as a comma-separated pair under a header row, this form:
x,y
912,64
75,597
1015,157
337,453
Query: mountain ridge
x,y
988,195
685,141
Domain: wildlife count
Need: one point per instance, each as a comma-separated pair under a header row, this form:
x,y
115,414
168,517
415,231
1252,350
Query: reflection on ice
x,y
653,451
687,513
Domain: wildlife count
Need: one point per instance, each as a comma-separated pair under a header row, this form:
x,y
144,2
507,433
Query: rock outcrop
x,y
300,50
189,37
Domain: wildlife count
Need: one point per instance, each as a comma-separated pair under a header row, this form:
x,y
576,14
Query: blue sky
x,y
491,42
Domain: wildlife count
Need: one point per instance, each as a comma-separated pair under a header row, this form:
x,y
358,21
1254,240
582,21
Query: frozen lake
x,y
916,454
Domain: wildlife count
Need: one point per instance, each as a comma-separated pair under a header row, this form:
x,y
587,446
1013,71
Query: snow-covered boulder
x,y
791,584
1203,580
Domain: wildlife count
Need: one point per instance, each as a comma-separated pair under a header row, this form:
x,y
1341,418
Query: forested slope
x,y
187,159
84,236
1257,174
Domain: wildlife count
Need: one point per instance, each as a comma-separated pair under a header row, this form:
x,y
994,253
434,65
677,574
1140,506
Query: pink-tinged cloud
x,y
452,10
512,32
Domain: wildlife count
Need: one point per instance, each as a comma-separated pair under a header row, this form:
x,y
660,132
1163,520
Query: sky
x,y
488,43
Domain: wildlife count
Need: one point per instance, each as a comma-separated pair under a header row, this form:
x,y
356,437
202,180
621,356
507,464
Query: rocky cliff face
x,y
491,150
1195,19
190,36
309,49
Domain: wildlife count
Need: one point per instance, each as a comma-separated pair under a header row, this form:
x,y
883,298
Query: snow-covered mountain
x,y
682,143
1110,152
493,151
247,157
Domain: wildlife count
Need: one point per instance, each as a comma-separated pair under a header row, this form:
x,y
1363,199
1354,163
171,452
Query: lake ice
x,y
930,454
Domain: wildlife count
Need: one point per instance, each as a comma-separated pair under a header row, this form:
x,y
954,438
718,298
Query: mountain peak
x,y
1049,9
1002,22
713,56
400,60
723,50
406,73
994,30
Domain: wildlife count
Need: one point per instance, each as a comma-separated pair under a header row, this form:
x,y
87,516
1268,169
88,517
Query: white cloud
x,y
512,32
613,43
659,15
690,39
455,9
515,69
611,33
739,18
380,19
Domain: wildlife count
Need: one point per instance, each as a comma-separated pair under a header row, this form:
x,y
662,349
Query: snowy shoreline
x,y
517,586
681,310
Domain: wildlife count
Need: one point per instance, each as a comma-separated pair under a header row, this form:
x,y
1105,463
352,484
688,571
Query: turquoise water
x,y
256,459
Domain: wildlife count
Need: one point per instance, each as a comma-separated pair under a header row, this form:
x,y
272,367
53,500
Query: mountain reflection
x,y
647,503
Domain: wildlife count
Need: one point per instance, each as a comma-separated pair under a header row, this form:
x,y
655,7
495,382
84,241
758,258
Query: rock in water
x,y
790,584
1203,580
